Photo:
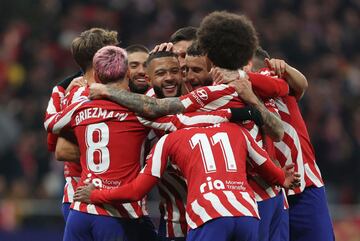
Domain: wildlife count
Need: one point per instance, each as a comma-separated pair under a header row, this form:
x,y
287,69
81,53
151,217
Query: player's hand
x,y
292,179
276,65
98,91
225,76
79,81
83,193
162,47
244,90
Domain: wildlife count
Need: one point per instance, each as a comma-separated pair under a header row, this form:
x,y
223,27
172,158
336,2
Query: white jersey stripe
x,y
186,120
186,102
221,87
217,205
236,204
190,222
77,206
200,211
251,201
165,126
91,209
312,176
156,160
254,155
220,102
66,119
130,209
299,159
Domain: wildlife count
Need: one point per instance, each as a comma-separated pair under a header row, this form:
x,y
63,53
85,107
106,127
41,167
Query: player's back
x,y
110,139
213,161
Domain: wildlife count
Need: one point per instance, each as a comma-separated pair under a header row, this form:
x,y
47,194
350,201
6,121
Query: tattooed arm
x,y
141,104
272,124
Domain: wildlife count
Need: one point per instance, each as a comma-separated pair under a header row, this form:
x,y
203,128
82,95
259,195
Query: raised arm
x,y
296,80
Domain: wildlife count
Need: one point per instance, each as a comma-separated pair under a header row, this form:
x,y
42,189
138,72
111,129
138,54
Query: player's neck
x,y
89,76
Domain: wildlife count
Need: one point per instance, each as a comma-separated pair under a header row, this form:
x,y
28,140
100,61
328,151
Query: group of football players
x,y
208,118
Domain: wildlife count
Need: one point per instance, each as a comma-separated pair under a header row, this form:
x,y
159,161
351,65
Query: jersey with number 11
x,y
213,161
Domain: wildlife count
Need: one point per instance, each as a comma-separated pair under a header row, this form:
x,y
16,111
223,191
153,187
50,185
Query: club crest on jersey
x,y
211,185
202,94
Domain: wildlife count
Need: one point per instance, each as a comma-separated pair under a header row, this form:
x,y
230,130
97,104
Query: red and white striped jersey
x,y
224,96
101,127
262,189
173,191
72,171
213,161
296,147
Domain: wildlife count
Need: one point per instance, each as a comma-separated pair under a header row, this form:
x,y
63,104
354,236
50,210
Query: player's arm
x,y
136,189
263,165
66,150
296,80
267,86
146,106
202,119
55,122
272,124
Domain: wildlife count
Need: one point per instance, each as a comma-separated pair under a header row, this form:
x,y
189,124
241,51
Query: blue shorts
x,y
162,233
309,216
272,216
87,227
226,228
65,210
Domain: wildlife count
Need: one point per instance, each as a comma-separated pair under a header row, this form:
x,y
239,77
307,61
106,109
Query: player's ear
x,y
96,78
209,63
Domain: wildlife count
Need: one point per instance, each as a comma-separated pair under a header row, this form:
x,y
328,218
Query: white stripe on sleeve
x,y
156,158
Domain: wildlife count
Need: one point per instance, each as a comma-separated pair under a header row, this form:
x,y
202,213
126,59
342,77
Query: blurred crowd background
x,y
319,37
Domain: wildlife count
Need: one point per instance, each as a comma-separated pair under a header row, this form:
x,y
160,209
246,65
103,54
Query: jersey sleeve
x,y
260,160
54,106
56,121
142,184
192,119
268,86
130,192
211,98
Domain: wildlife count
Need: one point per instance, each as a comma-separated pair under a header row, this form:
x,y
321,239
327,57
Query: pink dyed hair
x,y
110,64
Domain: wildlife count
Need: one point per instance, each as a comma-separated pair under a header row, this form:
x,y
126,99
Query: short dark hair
x,y
136,48
195,50
228,39
261,53
84,47
187,33
159,54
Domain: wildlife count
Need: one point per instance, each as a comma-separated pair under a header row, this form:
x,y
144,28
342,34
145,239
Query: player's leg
x,y
277,218
246,229
266,211
284,227
105,228
309,216
219,229
78,227
65,209
147,229
162,233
